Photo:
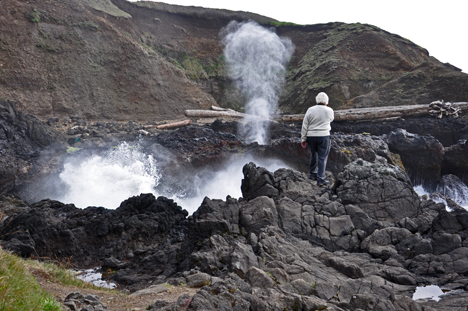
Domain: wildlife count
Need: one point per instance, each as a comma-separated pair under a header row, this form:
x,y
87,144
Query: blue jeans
x,y
320,148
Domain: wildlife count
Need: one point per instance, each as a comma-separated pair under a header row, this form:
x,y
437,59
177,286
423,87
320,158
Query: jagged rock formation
x,y
23,138
121,60
370,231
287,244
423,155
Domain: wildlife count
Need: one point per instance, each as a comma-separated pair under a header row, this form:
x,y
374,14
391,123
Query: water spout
x,y
256,58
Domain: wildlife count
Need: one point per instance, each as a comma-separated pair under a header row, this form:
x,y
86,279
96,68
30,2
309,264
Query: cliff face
x,y
59,59
364,66
151,61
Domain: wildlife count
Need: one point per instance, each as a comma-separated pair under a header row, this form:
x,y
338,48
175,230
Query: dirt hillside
x,y
121,60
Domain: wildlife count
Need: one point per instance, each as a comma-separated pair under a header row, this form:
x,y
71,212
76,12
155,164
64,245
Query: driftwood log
x,y
174,124
439,109
358,114
374,113
213,113
220,112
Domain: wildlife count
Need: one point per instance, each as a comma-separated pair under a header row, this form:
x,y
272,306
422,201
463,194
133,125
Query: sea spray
x,y
256,58
454,188
108,179
221,183
449,187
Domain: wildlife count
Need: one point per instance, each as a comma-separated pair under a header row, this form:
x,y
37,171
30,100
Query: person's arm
x,y
305,127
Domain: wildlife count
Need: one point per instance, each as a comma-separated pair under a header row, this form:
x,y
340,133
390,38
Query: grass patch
x,y
279,24
18,288
106,6
58,273
194,69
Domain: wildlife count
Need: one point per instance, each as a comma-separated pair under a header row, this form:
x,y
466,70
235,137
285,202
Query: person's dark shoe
x,y
323,183
313,177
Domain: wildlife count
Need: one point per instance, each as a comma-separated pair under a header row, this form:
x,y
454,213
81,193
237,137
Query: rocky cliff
x,y
145,60
364,244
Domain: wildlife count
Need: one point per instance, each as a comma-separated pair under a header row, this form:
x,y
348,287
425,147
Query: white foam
x,y
457,194
107,180
219,184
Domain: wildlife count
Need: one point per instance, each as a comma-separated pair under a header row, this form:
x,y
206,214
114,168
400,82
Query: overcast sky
x,y
441,27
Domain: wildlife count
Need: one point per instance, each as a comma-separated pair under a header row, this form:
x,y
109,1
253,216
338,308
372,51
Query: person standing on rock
x,y
316,132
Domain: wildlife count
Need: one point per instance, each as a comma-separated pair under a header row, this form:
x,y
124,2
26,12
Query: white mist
x,y
109,178
256,58
220,184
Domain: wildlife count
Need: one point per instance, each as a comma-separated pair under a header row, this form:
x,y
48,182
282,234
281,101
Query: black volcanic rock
x,y
382,191
22,139
299,246
90,236
456,160
421,155
287,243
257,182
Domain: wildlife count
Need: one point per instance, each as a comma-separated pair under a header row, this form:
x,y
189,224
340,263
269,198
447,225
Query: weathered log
x,y
358,114
363,114
174,124
220,113
212,113
216,108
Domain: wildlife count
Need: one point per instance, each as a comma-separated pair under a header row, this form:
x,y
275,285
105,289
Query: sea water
x,y
94,277
428,292
458,192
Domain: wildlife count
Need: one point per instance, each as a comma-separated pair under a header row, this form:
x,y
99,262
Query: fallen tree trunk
x,y
213,113
221,109
357,114
363,114
175,124
222,113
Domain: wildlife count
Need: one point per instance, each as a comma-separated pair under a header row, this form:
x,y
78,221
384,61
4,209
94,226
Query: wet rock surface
x,y
53,229
423,155
300,246
366,240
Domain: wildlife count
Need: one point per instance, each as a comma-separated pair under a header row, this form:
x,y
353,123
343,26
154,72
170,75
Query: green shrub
x,y
33,17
